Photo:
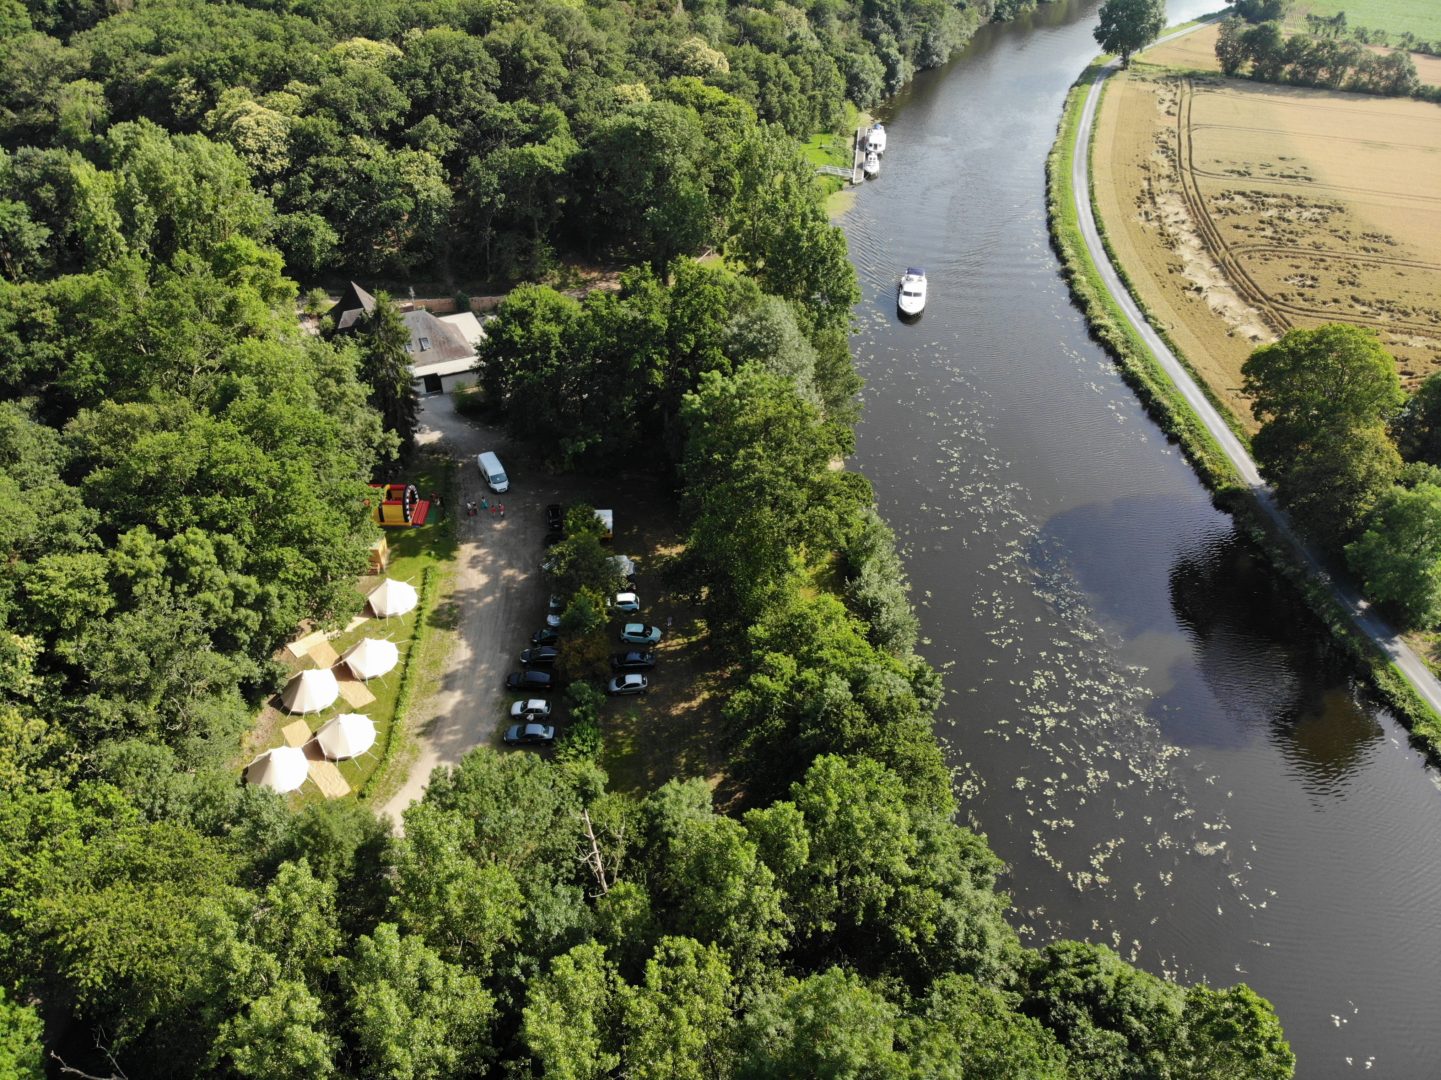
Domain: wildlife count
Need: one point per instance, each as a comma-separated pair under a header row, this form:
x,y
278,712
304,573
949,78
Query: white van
x,y
492,472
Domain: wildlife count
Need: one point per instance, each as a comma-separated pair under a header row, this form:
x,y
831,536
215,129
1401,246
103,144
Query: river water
x,y
1146,726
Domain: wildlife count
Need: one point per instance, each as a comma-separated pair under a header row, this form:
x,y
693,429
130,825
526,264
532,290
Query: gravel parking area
x,y
499,600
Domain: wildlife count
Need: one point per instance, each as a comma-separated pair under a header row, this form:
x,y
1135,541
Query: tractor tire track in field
x,y
1206,228
1279,313
1352,316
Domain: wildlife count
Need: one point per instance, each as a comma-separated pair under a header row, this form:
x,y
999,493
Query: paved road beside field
x,y
1362,614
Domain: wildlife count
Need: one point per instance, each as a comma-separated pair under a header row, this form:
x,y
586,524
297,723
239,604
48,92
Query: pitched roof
x,y
435,342
354,302
468,325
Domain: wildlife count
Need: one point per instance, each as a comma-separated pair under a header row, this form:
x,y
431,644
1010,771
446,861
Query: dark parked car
x,y
554,524
530,734
540,656
547,636
529,680
635,660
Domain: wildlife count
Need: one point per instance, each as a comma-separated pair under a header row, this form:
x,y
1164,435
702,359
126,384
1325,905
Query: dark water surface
x,y
1149,730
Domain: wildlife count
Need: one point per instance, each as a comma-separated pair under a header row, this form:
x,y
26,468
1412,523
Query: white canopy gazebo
x,y
371,657
282,769
392,597
347,735
311,691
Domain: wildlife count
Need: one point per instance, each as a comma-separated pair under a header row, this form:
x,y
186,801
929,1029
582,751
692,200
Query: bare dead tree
x,y
68,1070
593,858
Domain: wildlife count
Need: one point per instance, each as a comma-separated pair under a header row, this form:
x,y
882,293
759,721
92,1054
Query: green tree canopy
x,y
1128,26
1324,398
1398,556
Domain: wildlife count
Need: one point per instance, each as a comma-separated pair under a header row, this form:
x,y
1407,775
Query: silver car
x,y
631,683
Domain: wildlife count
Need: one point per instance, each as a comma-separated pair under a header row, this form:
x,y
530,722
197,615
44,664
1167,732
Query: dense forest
x,y
183,484
469,138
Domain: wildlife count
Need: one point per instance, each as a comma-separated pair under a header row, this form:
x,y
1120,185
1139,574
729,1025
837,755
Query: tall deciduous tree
x,y
1324,398
1128,26
415,1016
1231,1032
570,1023
1398,557
1417,429
829,1025
679,1021
1230,49
21,1053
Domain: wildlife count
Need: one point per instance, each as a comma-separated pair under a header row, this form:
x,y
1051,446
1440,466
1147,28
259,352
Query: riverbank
x,y
1167,404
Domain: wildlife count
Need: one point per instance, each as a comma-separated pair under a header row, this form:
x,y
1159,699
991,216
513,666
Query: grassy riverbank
x,y
1163,400
1104,317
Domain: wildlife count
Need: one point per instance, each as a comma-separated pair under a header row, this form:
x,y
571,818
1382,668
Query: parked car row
x,y
531,723
628,665
530,727
530,717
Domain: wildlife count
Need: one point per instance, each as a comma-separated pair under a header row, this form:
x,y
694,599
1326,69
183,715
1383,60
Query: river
x,y
1146,726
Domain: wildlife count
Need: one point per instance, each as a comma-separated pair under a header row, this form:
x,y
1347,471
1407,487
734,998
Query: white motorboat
x,y
876,139
872,166
911,296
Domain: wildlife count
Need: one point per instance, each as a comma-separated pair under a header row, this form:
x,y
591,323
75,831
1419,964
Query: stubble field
x,y
1242,209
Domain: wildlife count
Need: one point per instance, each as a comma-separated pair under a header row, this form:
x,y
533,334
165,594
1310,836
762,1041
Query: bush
x,y
581,742
469,400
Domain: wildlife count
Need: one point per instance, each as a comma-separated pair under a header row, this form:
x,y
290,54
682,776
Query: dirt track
x,y
498,600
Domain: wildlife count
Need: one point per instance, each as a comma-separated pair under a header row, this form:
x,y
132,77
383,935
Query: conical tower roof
x,y
355,303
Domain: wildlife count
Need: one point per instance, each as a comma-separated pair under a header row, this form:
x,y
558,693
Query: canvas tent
x,y
371,658
346,736
392,597
311,691
281,769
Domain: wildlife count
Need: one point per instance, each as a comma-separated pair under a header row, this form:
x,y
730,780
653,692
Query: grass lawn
x,y
413,551
1396,17
675,731
830,148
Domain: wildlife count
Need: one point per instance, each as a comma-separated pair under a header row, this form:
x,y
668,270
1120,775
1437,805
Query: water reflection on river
x,y
1148,731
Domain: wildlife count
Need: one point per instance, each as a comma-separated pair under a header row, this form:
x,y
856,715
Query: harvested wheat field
x,y
1241,209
